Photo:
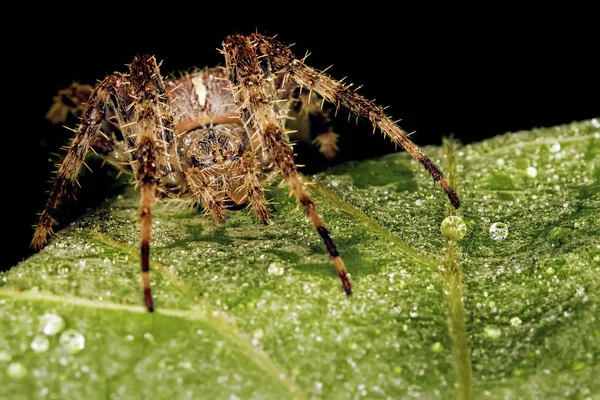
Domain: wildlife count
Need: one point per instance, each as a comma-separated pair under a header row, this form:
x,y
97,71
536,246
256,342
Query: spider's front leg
x,y
151,132
255,95
85,137
279,57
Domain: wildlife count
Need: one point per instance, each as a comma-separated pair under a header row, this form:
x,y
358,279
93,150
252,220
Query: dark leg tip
x,y
148,300
346,285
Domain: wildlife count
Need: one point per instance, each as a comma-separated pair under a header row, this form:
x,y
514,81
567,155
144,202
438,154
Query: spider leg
x,y
250,190
86,134
281,58
255,93
68,100
151,132
198,180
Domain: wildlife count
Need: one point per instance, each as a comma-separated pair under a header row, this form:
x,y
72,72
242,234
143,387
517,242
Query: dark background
x,y
468,72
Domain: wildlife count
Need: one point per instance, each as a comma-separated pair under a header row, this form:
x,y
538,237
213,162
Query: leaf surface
x,y
246,311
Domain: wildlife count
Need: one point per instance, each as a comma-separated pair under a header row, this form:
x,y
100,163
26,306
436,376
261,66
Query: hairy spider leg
x,y
68,100
151,130
282,59
255,93
202,190
85,136
251,187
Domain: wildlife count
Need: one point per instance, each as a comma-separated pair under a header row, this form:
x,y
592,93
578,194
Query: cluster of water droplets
x,y
51,331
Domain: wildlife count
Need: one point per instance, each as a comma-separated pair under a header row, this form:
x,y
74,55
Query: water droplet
x,y
532,172
72,341
397,369
578,365
498,231
258,334
16,370
453,227
148,336
492,332
516,321
5,356
40,344
554,147
437,347
500,162
550,271
418,202
274,269
51,324
335,183
595,122
318,386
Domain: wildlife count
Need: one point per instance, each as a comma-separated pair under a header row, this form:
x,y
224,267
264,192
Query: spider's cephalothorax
x,y
210,136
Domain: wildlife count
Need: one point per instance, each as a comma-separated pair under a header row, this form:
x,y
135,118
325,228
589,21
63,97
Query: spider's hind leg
x,y
68,100
255,94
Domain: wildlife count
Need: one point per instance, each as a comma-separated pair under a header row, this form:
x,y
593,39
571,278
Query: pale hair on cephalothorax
x,y
211,136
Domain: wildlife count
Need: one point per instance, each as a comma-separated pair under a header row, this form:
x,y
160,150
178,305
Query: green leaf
x,y
246,311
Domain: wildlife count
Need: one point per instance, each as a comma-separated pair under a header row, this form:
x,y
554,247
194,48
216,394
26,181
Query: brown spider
x,y
209,136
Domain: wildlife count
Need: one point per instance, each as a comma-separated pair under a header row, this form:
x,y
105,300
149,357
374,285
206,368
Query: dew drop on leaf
x,y
5,356
531,172
453,227
515,321
492,332
437,347
554,147
40,344
258,334
16,370
274,269
51,324
72,341
498,231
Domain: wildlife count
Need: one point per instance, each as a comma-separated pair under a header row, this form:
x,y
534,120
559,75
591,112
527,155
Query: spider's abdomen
x,y
200,98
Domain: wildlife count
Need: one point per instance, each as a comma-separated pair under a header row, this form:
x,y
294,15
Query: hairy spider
x,y
210,137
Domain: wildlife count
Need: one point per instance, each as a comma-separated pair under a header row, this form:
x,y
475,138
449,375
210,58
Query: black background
x,y
469,72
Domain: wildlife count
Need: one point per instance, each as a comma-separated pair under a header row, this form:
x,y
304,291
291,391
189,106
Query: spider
x,y
210,137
